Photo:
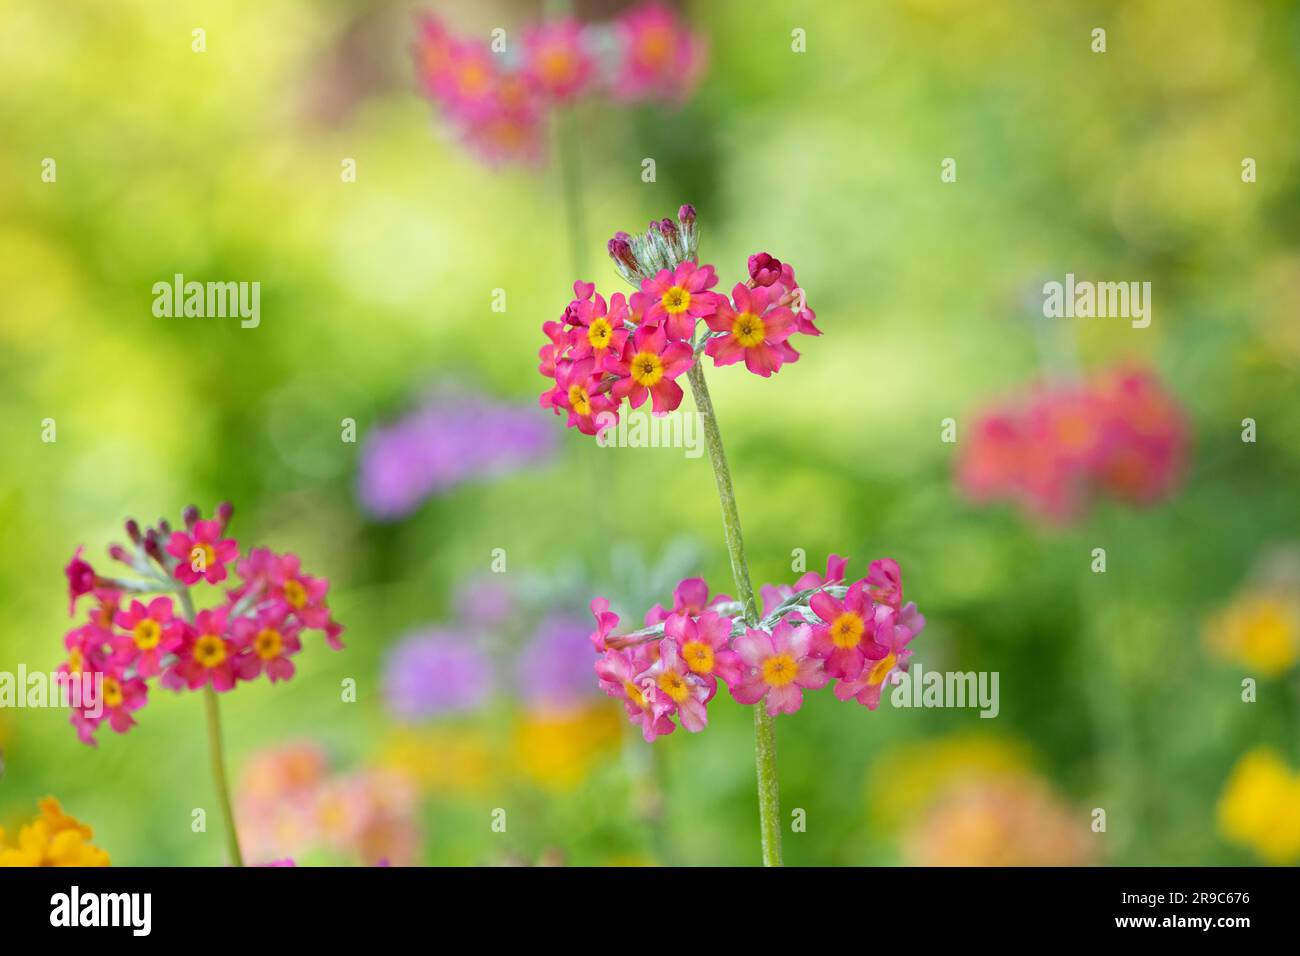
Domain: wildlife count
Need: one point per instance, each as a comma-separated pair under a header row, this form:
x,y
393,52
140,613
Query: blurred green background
x,y
226,165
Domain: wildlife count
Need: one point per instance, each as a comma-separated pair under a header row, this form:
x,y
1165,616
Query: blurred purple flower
x,y
486,600
453,437
554,668
435,672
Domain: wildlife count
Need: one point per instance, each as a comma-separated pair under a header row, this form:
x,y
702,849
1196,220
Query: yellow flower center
x,y
1074,432
676,300
268,643
748,329
75,661
147,634
579,399
881,669
295,593
209,650
647,369
598,333
698,656
674,685
634,694
779,670
112,692
557,66
202,556
473,78
846,630
656,43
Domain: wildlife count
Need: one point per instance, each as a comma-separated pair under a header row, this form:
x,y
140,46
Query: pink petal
x,y
784,700
754,647
750,690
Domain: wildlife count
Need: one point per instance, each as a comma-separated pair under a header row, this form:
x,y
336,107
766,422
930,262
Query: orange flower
x,y
53,839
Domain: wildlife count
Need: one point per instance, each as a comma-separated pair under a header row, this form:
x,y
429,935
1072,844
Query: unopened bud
x,y
764,269
620,250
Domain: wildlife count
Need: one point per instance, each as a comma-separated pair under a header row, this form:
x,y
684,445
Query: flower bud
x,y
764,269
620,250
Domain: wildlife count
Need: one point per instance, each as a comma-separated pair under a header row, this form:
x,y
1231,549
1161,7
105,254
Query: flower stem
x,y
219,773
769,797
570,163
569,160
217,750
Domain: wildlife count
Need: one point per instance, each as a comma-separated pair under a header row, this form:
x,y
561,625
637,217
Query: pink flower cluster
x,y
496,92
813,631
602,351
1058,447
255,629
291,803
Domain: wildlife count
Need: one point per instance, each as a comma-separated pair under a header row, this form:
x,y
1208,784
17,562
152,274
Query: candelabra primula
x,y
254,628
497,95
819,630
601,352
666,673
1057,447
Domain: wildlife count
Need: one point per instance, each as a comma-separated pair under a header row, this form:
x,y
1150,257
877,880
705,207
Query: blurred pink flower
x,y
1057,448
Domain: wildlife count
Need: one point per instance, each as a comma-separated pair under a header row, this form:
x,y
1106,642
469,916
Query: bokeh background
x,y
1120,691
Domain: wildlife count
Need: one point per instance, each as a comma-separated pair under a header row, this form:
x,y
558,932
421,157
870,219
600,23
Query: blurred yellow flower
x,y
557,749
1260,806
441,761
1260,630
53,839
913,776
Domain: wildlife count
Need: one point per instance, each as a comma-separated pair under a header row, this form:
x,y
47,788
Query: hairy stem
x,y
217,751
769,797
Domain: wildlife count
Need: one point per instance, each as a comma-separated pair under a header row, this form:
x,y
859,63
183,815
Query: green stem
x,y
219,773
217,751
566,151
769,796
570,162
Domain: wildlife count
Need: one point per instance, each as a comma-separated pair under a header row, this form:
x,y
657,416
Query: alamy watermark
x,y
132,911
1099,300
83,691
212,300
640,429
917,687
